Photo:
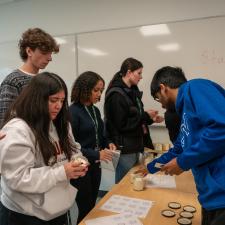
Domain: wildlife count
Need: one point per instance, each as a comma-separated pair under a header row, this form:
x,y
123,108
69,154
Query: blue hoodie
x,y
201,142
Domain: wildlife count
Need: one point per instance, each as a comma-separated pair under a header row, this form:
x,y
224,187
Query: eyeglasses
x,y
156,99
157,96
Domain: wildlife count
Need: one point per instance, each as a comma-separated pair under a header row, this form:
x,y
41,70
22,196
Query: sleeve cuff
x,y
181,163
151,167
60,174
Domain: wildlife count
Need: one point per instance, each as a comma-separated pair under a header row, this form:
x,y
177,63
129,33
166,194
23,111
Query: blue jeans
x,y
126,162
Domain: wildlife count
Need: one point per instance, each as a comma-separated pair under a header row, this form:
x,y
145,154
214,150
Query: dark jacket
x,y
172,121
84,130
125,118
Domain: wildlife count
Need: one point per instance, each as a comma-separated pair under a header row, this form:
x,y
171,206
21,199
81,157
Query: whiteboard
x,y
198,46
199,50
9,58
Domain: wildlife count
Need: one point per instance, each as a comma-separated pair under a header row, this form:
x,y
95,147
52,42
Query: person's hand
x,y
152,113
112,147
106,155
172,168
2,135
142,170
75,170
158,119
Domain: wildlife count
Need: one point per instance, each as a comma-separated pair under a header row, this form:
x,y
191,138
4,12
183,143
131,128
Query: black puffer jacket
x,y
125,118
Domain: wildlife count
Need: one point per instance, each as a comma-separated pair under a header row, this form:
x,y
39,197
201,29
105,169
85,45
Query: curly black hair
x,y
83,85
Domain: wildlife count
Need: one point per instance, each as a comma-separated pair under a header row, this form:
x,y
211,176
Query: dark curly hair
x,y
37,38
83,85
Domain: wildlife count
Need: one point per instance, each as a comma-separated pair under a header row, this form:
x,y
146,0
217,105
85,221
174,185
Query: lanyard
x,y
140,110
95,122
139,105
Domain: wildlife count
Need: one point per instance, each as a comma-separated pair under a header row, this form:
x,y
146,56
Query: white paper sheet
x,y
111,165
162,181
122,204
119,219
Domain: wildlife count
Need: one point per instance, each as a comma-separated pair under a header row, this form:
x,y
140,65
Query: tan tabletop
x,y
185,194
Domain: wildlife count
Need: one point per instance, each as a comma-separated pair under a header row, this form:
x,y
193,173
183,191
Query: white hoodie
x,y
25,179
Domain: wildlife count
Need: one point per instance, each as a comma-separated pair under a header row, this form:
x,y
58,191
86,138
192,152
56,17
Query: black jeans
x,y
9,217
213,217
88,187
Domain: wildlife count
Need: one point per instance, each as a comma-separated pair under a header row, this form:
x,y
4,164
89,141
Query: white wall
x,y
64,17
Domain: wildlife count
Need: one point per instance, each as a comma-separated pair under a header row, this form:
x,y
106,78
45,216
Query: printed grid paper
x,y
119,219
121,204
162,181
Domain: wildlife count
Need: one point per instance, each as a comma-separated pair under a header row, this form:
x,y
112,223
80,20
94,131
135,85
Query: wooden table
x,y
185,194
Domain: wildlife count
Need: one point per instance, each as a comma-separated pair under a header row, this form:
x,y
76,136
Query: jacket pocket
x,y
129,144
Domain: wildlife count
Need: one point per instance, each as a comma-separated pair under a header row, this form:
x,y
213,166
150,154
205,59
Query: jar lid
x,y
174,205
186,214
189,208
168,213
184,221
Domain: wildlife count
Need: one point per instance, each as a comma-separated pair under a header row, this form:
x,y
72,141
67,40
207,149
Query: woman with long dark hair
x,y
35,156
